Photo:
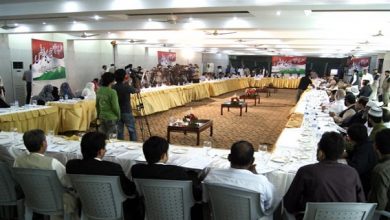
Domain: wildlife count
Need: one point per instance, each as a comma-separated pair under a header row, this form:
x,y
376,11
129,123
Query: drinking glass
x,y
264,154
112,137
34,102
50,135
14,135
207,147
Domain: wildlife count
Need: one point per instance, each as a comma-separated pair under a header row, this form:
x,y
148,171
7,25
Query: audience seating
x,y
43,192
8,194
339,211
166,199
233,203
101,196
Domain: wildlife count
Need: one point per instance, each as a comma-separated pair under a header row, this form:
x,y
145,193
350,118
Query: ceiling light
x,y
97,17
190,19
74,22
16,24
44,23
278,13
149,19
234,18
307,12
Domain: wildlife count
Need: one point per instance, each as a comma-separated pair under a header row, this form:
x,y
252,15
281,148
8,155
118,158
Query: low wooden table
x,y
202,124
229,105
255,97
265,90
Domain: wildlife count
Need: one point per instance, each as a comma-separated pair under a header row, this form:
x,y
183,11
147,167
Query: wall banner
x,y
48,60
166,58
288,65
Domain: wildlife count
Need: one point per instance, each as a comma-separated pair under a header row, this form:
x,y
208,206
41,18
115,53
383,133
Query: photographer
x,y
126,117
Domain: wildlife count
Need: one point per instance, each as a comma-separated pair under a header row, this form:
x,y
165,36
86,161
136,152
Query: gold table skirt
x,y
75,116
42,118
277,82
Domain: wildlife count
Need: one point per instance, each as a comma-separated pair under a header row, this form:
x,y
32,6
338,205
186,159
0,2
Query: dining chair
x,y
233,203
166,199
101,196
8,194
339,211
43,192
380,213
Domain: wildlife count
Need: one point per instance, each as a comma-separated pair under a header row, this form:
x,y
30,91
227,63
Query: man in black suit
x,y
93,150
156,154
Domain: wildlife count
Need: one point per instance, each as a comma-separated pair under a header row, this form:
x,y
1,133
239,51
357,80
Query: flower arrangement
x,y
250,92
190,118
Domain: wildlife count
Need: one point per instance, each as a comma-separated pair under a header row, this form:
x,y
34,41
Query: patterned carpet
x,y
261,124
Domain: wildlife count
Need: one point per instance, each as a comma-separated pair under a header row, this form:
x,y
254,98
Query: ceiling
x,y
328,28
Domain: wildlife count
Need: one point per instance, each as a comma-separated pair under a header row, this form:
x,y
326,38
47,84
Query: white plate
x,y
133,148
60,142
279,159
179,151
4,136
225,156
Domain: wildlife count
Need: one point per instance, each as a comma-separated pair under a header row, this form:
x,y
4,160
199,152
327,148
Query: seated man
x,y
242,173
156,154
360,116
380,182
35,142
375,122
345,115
326,181
93,150
362,157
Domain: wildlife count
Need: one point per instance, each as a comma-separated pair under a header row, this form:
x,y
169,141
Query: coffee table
x,y
239,104
201,125
255,97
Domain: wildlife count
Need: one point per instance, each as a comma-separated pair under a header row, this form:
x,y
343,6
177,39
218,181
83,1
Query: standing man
x,y
123,89
367,76
107,105
102,71
27,76
303,84
386,88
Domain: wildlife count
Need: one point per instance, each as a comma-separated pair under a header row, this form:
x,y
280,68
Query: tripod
x,y
143,120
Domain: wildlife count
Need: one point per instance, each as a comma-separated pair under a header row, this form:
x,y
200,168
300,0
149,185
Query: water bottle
x,y
66,97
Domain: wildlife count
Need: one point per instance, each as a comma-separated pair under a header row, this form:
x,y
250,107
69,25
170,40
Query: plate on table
x,y
60,142
179,151
133,147
4,136
301,157
225,156
279,159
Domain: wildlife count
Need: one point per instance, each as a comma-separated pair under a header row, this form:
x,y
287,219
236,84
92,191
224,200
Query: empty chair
x,y
232,203
101,196
8,194
43,191
166,199
339,211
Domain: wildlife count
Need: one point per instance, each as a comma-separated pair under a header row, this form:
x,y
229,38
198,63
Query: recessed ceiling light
x,y
149,19
234,18
43,23
16,24
190,19
97,17
278,13
307,12
74,22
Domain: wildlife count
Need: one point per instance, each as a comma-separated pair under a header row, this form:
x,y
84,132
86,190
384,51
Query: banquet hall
x,y
206,75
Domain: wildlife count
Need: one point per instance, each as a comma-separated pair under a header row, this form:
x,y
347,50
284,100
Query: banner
x,y
359,63
166,58
48,60
288,65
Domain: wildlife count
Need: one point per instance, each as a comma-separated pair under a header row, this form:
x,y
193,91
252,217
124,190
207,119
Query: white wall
x,y
84,58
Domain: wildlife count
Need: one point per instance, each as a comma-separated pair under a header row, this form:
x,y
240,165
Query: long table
x,y
75,115
29,117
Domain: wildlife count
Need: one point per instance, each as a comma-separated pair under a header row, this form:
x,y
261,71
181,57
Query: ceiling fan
x,y
172,19
379,34
85,35
216,33
8,27
134,41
